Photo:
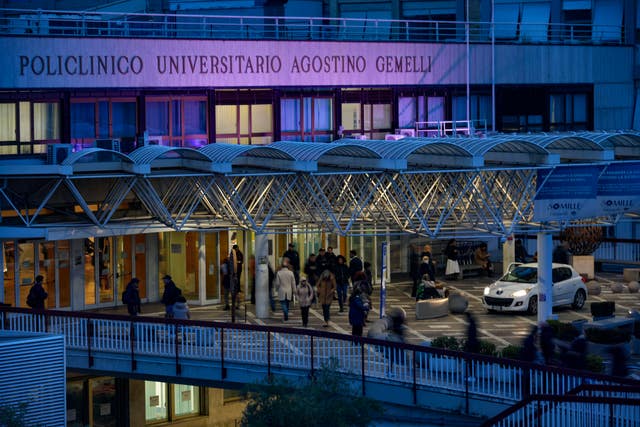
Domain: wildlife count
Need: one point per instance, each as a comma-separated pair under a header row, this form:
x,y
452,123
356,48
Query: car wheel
x,y
579,299
532,308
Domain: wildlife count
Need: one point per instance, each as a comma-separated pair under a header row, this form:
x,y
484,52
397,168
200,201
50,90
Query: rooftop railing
x,y
28,22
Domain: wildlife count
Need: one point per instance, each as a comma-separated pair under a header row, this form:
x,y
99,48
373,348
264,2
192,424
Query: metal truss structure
x,y
173,189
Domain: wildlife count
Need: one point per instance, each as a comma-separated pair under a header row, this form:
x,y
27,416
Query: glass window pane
x,y
75,404
155,397
157,118
103,394
580,108
366,119
406,112
64,274
195,117
8,122
9,254
186,400
244,119
124,119
261,118
556,109
323,114
435,107
25,122
290,115
459,110
103,119
422,113
351,116
83,116
381,116
27,268
225,120
176,118
89,272
46,121
308,122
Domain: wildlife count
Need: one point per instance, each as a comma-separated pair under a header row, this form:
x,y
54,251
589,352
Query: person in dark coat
x,y
355,264
472,345
332,259
414,269
311,270
171,293
131,297
294,260
341,272
37,294
358,309
322,262
520,251
529,351
547,346
561,254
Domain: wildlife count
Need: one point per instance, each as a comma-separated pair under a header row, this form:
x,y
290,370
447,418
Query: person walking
x,y
341,273
358,309
131,297
355,264
414,268
238,260
311,269
452,269
332,259
169,296
285,284
37,295
305,294
225,270
322,262
326,290
181,309
472,345
294,260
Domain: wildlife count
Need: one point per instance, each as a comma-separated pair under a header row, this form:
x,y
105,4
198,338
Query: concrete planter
x,y
585,265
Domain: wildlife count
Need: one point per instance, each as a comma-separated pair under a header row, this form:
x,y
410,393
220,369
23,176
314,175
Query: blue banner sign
x,y
566,193
619,188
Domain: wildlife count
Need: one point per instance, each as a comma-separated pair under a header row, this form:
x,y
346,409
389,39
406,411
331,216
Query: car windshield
x,y
521,275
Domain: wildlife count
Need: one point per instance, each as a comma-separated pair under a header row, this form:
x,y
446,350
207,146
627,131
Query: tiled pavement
x,y
499,328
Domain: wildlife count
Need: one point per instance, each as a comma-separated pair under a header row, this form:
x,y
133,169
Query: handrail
x,y
424,358
155,25
573,397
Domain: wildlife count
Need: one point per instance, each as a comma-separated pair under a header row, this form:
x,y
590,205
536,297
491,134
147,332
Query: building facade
x,y
187,74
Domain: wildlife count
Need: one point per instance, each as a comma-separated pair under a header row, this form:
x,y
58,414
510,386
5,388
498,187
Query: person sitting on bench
x,y
427,289
481,257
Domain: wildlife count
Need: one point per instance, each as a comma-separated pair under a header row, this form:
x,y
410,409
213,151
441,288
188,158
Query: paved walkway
x,y
499,328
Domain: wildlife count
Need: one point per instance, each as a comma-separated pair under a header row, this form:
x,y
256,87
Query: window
x,y
26,127
366,112
568,112
103,118
306,118
178,121
168,402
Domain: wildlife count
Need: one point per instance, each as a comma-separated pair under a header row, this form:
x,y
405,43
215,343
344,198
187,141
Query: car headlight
x,y
486,290
520,293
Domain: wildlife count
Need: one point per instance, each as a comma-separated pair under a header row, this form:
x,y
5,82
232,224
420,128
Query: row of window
x,y
251,118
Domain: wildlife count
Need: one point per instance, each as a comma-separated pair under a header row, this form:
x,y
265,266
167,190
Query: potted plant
x,y
564,333
583,242
512,352
602,340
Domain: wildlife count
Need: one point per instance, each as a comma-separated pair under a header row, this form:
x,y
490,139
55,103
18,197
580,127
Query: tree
x,y
326,400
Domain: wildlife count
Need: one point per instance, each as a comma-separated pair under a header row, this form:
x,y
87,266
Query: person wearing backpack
x,y
37,294
171,293
131,297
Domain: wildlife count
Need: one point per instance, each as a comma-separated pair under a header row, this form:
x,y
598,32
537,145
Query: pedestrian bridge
x,y
229,355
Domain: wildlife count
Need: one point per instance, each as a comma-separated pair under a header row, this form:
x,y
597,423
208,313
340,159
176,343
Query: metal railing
x,y
149,25
444,128
416,368
588,404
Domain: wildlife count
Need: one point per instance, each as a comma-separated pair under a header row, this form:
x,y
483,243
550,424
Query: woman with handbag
x,y
305,295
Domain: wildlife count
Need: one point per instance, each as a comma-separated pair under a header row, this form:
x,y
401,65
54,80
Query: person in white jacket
x,y
181,309
285,284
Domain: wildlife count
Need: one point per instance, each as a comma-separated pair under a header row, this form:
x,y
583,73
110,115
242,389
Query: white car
x,y
518,289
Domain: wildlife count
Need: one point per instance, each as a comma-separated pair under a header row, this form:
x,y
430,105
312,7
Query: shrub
x,y
564,331
512,352
607,336
487,348
594,363
447,342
